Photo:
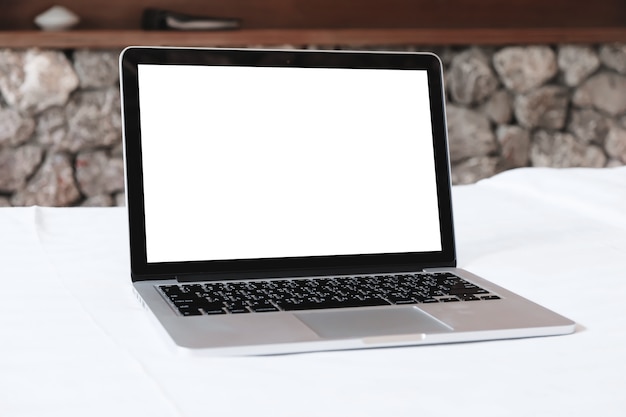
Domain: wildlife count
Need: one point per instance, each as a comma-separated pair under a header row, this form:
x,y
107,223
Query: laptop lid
x,y
249,163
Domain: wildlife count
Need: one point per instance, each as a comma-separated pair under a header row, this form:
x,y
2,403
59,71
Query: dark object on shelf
x,y
157,19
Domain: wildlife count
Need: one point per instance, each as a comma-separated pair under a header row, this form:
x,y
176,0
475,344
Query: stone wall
x,y
60,129
511,107
514,106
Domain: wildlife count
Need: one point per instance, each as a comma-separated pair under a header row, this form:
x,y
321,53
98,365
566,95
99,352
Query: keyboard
x,y
240,297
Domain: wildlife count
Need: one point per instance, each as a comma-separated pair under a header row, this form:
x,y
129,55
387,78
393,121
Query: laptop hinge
x,y
193,277
290,274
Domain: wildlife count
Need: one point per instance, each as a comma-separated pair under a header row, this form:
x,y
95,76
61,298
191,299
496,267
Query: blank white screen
x,y
242,162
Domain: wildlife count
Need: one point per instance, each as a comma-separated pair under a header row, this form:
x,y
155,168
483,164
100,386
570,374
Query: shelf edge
x,y
99,39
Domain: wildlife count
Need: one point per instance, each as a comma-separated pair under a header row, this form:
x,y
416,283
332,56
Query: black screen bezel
x,y
278,267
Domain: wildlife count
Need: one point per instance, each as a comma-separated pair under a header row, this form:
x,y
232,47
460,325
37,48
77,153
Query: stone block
x,y
97,174
588,126
96,69
562,150
51,127
473,169
93,120
616,143
17,165
469,134
120,199
33,80
614,56
577,63
98,201
515,146
15,129
470,78
499,107
603,91
52,185
522,69
545,107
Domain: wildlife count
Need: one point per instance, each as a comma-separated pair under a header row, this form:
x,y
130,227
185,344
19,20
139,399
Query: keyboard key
x,y
210,307
399,299
263,308
490,297
470,297
215,311
187,310
238,310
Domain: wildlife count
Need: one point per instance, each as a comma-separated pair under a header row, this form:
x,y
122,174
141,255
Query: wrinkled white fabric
x,y
75,342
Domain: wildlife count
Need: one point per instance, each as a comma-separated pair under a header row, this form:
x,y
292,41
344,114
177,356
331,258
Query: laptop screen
x,y
246,162
266,163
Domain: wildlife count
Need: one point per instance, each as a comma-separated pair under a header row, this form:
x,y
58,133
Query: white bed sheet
x,y
75,342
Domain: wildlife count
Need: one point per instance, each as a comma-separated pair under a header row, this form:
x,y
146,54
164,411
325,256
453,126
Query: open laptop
x,y
286,201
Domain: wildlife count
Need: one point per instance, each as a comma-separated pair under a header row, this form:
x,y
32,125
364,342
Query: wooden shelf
x,y
271,37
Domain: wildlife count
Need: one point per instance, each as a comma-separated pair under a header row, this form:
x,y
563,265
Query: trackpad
x,y
341,324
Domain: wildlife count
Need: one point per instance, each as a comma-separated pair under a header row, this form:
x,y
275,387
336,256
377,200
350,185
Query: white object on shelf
x,y
57,18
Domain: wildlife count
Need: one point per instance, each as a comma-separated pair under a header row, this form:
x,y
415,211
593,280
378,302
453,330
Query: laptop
x,y
287,201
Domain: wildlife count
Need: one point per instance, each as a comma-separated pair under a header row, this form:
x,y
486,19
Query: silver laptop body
x,y
283,169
